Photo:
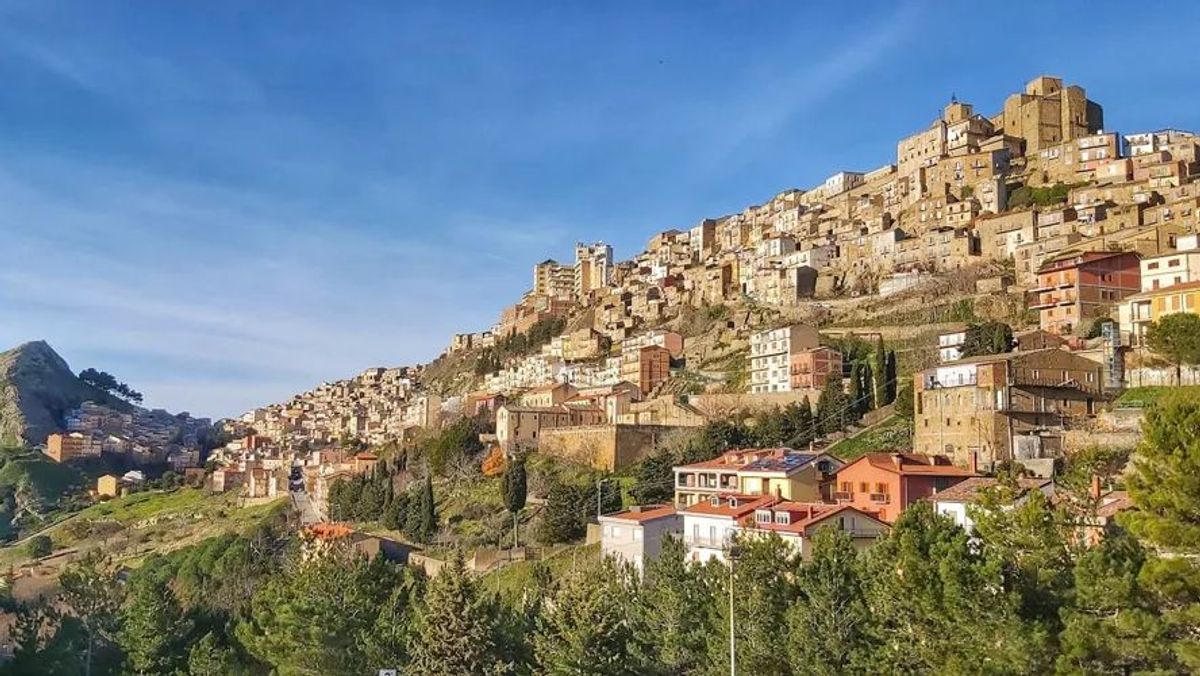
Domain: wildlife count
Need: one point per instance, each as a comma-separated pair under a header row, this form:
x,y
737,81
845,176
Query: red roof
x,y
805,516
644,513
745,504
972,488
737,457
912,464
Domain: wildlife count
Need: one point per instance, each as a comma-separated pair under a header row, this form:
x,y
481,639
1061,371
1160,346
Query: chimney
x,y
973,462
1095,491
897,460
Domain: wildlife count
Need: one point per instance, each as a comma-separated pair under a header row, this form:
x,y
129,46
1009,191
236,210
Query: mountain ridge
x,y
37,388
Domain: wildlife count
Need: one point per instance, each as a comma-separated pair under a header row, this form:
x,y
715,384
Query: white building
x,y
841,182
950,345
637,535
955,502
770,356
1179,267
1145,143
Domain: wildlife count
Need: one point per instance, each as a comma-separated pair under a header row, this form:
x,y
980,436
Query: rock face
x,y
37,388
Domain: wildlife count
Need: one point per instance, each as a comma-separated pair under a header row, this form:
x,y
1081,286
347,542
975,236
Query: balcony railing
x,y
706,542
880,498
843,496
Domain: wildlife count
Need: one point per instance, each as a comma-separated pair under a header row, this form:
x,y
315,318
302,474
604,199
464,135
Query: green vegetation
x,y
895,433
1021,594
1044,196
987,338
39,546
1142,397
490,359
128,527
962,310
1176,338
105,382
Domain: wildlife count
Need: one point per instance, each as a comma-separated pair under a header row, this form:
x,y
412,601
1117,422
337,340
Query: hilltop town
x,y
942,365
1038,203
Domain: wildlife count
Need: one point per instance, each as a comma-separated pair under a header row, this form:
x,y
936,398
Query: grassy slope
x,y
132,526
48,479
893,433
1140,397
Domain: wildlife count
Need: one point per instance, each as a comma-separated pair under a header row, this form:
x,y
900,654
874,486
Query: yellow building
x,y
781,472
108,485
1141,310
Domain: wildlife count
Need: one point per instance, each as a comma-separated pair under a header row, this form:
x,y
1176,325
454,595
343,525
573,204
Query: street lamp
x,y
732,552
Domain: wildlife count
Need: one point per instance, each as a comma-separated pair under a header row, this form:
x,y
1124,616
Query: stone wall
x,y
605,447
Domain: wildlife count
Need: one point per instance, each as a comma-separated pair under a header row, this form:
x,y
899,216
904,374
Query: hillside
x,y
37,388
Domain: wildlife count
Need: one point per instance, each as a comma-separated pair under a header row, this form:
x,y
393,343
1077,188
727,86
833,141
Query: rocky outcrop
x,y
37,388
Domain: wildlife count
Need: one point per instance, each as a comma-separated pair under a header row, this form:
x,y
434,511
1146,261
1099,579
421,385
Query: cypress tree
x,y
891,386
427,524
879,367
514,486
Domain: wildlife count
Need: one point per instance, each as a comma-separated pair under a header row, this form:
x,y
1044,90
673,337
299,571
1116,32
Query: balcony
x,y
706,542
843,496
880,498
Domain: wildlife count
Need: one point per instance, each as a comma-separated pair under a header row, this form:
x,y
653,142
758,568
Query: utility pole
x,y
598,488
732,554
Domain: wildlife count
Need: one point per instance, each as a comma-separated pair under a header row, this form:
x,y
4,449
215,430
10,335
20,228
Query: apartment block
x,y
593,267
554,280
1077,287
771,356
811,369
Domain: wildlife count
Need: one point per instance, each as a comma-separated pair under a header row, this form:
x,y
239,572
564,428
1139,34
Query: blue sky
x,y
226,203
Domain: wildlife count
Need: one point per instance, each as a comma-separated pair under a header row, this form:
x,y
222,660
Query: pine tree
x,y
673,604
940,605
455,632
89,593
827,626
586,627
561,515
798,422
153,629
1112,625
764,587
208,657
1165,487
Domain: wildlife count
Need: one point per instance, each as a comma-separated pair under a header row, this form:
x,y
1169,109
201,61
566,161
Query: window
x,y
1173,263
862,487
762,516
783,518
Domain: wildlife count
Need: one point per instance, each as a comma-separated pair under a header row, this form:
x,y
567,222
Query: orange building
x,y
1084,285
810,369
64,447
647,368
887,483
